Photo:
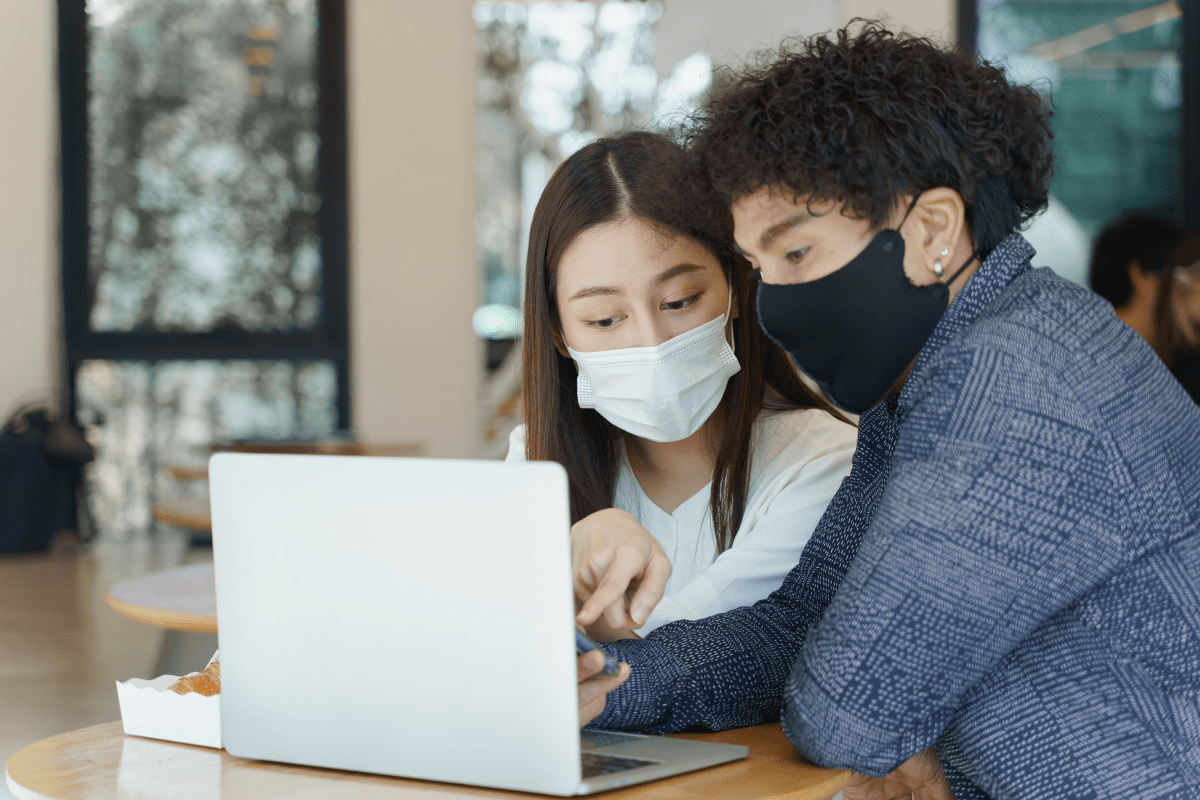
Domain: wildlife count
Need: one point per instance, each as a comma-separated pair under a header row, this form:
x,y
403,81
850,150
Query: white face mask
x,y
662,393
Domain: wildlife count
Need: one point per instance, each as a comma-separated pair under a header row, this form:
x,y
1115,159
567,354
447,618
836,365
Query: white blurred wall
x,y
729,30
415,363
28,205
935,18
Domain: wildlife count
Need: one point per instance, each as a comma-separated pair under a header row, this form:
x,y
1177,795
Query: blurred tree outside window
x,y
203,244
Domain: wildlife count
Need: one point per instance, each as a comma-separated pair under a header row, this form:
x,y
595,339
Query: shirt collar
x,y
1009,260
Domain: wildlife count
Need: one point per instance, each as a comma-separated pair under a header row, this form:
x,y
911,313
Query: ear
x,y
733,303
937,236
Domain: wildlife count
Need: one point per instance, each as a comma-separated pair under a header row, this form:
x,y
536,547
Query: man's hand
x,y
920,778
594,686
613,557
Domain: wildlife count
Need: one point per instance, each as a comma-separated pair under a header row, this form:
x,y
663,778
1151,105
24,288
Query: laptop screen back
x,y
410,617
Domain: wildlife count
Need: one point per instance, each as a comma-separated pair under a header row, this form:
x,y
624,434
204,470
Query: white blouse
x,y
798,461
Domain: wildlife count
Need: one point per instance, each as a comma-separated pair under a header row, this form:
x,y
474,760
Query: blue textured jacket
x,y
1027,590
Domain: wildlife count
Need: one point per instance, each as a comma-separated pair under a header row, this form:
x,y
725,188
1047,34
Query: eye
x,y
794,256
607,322
678,305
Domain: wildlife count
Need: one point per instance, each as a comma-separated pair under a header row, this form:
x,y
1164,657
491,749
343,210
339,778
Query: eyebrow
x,y
769,235
660,278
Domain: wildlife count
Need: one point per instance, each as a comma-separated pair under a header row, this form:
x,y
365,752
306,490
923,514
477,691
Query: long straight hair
x,y
607,181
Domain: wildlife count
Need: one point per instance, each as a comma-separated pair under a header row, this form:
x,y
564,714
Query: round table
x,y
184,473
330,447
102,763
181,599
189,513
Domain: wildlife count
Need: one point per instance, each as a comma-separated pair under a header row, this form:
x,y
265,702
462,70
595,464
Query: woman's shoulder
x,y
799,435
796,422
516,444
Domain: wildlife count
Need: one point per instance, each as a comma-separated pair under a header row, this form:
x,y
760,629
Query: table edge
x,y
162,512
170,620
18,791
832,785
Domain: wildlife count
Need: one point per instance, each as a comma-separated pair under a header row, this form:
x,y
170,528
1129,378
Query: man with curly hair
x,y
1005,592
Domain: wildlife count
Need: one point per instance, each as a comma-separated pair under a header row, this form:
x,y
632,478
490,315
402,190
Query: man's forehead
x,y
761,216
762,204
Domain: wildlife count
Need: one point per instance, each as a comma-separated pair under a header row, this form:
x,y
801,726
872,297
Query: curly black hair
x,y
871,116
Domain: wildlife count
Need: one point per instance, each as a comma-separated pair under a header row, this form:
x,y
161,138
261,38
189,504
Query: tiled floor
x,y
61,647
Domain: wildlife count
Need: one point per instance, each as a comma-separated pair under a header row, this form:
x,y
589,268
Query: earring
x,y
937,265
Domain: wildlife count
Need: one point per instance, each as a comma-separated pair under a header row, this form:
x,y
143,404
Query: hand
x,y
920,777
593,686
612,555
600,632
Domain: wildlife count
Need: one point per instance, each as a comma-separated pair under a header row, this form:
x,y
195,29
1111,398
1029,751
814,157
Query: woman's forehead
x,y
628,251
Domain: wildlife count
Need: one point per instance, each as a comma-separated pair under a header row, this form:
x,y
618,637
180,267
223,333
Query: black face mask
x,y
856,330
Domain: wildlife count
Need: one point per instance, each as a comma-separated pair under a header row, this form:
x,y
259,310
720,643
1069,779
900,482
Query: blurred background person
x,y
1181,310
1132,266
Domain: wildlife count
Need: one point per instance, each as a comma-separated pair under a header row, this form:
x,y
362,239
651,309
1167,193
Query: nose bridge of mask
x,y
656,355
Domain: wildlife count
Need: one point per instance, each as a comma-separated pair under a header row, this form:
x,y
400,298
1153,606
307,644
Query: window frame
x,y
1189,155
328,341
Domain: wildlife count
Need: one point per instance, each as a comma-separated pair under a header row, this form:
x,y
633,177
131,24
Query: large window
x,y
1123,78
204,231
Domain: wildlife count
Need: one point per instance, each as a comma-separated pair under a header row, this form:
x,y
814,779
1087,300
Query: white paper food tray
x,y
149,708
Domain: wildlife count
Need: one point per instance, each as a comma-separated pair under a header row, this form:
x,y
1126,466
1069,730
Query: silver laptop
x,y
411,617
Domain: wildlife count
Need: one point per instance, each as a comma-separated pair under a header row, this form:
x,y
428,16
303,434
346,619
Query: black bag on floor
x,y
41,471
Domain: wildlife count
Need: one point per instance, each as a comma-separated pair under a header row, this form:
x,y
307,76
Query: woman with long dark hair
x,y
647,377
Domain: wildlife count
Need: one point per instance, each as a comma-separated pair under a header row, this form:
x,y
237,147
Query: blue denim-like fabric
x,y
1026,590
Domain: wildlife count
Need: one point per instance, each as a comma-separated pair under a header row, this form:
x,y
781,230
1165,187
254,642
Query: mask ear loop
x,y
961,270
729,321
978,254
888,245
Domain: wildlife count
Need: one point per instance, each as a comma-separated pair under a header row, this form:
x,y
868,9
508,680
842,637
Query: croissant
x,y
207,683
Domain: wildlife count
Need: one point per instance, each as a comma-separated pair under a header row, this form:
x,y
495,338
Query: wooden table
x,y
101,763
194,514
182,599
189,513
181,472
330,447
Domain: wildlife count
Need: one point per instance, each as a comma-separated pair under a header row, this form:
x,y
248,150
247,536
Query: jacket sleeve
x,y
728,670
994,519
